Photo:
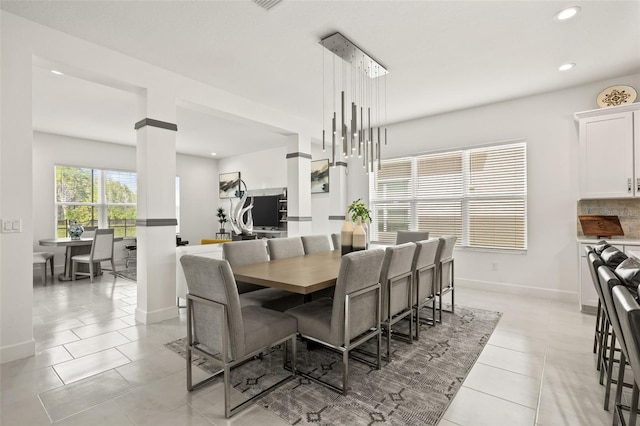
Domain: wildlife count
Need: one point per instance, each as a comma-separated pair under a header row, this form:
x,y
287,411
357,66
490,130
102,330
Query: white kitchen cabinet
x,y
609,159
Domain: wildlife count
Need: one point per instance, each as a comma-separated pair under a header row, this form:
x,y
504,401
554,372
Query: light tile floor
x,y
95,365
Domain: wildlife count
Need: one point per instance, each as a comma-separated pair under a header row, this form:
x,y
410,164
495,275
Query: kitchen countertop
x,y
613,240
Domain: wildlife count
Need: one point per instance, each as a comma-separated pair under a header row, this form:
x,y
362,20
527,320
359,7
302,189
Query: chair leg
x,y
189,373
345,371
596,333
618,397
74,268
113,267
417,322
411,326
227,391
453,305
379,365
607,391
91,271
294,355
633,414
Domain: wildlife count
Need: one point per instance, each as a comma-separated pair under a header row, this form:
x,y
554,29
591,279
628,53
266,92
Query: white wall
x,y
259,169
198,185
550,266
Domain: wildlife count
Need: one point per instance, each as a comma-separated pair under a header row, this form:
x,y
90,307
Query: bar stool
x,y
41,258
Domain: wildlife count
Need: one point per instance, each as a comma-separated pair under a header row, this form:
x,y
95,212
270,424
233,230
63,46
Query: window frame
x,y
465,198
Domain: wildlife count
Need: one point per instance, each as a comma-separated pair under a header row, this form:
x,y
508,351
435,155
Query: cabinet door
x,y
606,156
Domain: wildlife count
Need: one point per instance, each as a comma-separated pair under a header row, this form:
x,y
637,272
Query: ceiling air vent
x,y
266,4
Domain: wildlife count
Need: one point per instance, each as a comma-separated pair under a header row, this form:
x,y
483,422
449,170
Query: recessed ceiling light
x,y
567,13
56,72
213,153
566,67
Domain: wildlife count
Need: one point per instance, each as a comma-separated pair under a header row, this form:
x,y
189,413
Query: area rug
x,y
129,274
414,388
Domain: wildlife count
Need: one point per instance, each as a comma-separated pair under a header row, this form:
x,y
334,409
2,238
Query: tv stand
x,y
269,233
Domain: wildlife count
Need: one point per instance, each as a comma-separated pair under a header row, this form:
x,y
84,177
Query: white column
x,y
156,221
338,195
298,185
16,198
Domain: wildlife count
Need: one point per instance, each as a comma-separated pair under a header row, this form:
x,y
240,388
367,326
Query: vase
x,y
75,230
359,237
346,236
223,231
365,226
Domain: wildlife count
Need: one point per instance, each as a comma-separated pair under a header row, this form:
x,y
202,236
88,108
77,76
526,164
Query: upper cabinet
x,y
610,152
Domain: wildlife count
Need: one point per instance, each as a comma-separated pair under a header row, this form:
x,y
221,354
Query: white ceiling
x,y
441,55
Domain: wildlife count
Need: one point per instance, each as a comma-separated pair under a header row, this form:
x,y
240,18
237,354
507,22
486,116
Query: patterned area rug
x,y
414,388
129,274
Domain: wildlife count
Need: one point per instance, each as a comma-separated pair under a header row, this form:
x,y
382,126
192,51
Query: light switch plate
x,y
11,225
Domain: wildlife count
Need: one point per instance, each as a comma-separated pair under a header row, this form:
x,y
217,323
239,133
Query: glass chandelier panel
x,y
357,96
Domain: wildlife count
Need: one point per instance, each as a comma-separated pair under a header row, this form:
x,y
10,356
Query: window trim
x,y
464,198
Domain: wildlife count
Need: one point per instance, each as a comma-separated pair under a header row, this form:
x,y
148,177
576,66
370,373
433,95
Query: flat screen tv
x,y
265,211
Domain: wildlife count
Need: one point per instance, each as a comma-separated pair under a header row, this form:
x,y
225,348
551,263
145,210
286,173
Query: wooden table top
x,y
60,242
300,274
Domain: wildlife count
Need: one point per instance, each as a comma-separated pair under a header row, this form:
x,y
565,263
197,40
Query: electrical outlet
x,y
494,266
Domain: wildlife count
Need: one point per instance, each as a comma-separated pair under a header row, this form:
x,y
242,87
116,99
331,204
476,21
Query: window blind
x,y
478,195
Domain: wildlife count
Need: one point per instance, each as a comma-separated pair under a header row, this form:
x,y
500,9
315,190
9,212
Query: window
x,y
478,195
96,198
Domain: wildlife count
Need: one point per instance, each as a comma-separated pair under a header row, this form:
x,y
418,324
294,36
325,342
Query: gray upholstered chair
x,y
239,253
445,273
352,317
396,279
411,236
424,268
628,312
315,243
335,240
41,258
608,281
282,248
219,328
101,250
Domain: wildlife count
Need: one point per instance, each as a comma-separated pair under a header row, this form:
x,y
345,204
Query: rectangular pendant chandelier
x,y
357,102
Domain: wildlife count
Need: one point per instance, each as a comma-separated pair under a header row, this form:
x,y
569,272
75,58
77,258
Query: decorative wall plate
x,y
616,95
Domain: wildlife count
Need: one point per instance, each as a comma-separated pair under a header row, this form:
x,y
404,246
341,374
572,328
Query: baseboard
x,y
542,293
157,315
17,351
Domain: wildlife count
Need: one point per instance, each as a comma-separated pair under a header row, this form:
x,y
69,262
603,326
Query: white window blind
x,y
478,195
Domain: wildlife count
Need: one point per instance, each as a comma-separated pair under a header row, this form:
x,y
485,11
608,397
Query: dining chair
x,y
282,248
608,281
424,268
628,312
335,240
239,253
396,279
41,258
101,250
445,273
411,236
219,328
351,318
315,243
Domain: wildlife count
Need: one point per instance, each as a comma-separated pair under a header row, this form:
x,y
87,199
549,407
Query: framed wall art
x,y
229,185
320,176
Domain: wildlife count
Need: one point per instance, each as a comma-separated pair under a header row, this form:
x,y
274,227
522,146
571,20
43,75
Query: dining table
x,y
299,274
74,247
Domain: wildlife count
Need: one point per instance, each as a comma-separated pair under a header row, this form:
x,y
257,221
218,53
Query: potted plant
x,y
222,219
360,214
358,209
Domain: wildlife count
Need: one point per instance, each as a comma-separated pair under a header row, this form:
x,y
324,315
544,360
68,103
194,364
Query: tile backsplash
x,y
627,210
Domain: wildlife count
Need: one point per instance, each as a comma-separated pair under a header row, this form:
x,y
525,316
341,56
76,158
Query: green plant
x,y
222,216
359,209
